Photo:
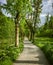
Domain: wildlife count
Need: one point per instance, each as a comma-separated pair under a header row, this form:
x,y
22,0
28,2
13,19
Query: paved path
x,y
31,55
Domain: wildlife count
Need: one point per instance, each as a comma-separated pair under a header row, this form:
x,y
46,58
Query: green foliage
x,y
18,10
51,23
46,33
37,11
6,62
46,44
7,29
17,6
3,27
34,19
9,54
48,52
22,27
47,29
24,30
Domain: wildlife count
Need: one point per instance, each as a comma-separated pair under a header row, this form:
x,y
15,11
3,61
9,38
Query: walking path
x,y
31,55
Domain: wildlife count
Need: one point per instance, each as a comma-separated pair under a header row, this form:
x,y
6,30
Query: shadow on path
x,y
28,61
31,55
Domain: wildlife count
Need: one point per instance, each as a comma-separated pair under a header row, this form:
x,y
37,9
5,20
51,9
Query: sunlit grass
x,y
46,45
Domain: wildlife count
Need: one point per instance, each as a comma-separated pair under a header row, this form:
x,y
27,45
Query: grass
x,y
7,61
46,44
8,54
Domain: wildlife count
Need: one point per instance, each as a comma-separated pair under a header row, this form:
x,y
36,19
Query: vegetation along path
x,y
31,55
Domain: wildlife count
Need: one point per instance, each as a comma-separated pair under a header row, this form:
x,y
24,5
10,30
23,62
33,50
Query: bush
x,y
7,37
7,61
10,54
46,45
46,33
48,52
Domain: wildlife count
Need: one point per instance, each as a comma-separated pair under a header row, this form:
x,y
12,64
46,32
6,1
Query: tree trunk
x,y
16,34
29,36
33,37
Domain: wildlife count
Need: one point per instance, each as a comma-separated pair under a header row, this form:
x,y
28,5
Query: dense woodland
x,y
23,23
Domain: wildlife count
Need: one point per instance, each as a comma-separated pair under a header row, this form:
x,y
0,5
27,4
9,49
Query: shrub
x,y
47,47
7,61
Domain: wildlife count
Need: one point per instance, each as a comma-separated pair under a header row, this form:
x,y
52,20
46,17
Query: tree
x,y
47,28
37,10
18,10
32,24
46,25
51,22
30,27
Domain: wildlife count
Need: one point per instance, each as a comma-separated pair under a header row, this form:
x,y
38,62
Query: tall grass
x,y
46,44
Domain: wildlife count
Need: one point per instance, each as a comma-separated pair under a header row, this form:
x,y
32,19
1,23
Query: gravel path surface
x,y
31,55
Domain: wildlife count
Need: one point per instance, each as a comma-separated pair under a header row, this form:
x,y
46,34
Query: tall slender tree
x,y
37,5
17,10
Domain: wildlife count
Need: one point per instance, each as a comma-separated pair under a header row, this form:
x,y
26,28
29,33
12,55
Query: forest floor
x,y
31,55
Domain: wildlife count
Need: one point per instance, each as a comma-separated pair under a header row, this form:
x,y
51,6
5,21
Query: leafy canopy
x,y
17,6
